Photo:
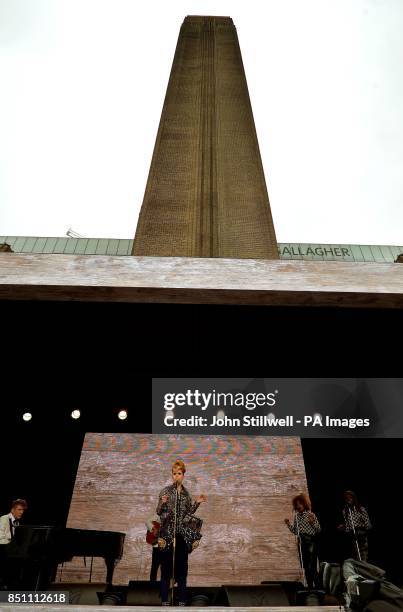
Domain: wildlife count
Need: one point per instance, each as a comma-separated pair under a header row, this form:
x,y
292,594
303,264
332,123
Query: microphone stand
x,y
299,545
355,534
174,545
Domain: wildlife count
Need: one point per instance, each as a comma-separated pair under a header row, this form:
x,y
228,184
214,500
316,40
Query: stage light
x,y
271,416
75,414
27,416
122,415
220,414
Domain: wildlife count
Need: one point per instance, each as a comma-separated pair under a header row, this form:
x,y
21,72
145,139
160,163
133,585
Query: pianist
x,y
179,532
8,523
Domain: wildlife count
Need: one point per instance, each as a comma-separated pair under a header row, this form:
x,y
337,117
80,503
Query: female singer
x,y
306,527
356,525
179,532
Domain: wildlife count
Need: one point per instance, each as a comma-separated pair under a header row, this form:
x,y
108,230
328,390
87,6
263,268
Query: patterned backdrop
x,y
249,482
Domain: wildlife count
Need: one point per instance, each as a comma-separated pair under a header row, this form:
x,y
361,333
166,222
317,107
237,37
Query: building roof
x,y
123,246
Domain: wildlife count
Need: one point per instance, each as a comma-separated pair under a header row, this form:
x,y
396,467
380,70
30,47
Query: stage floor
x,y
6,608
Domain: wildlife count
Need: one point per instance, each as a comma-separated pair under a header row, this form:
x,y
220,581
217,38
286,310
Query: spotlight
x,y
27,416
122,415
75,414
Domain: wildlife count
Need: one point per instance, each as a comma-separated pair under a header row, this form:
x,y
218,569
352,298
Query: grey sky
x,y
82,87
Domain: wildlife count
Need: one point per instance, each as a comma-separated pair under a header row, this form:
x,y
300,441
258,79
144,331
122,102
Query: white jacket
x,y
5,531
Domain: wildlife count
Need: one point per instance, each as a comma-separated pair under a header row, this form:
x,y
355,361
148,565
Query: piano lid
x,y
63,543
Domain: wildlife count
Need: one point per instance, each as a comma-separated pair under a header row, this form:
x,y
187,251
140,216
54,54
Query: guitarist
x,y
153,528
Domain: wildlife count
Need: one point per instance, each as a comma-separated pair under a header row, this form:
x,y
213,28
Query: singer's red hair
x,y
179,465
304,499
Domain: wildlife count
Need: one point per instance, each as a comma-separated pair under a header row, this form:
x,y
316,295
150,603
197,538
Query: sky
x,y
82,84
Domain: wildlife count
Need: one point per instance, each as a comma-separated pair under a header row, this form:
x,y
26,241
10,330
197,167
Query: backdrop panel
x,y
249,482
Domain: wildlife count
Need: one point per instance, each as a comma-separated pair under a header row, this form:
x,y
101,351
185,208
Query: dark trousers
x,y
3,581
181,569
155,563
309,553
10,570
362,540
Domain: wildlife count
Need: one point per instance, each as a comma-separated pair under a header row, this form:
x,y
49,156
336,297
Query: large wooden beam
x,y
200,280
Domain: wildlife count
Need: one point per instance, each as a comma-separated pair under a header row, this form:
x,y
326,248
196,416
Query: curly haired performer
x,y
179,532
306,527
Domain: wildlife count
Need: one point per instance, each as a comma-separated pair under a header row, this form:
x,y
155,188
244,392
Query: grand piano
x,y
36,550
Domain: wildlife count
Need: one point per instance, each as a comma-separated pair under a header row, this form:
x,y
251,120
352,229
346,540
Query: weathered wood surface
x,y
200,280
249,482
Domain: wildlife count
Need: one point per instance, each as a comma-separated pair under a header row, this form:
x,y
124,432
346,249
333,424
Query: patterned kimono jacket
x,y
303,526
357,517
187,525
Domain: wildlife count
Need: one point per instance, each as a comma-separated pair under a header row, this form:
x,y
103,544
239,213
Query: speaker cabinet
x,y
143,593
272,594
81,593
203,596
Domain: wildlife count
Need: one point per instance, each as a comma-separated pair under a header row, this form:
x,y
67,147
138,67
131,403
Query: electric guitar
x,y
152,536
